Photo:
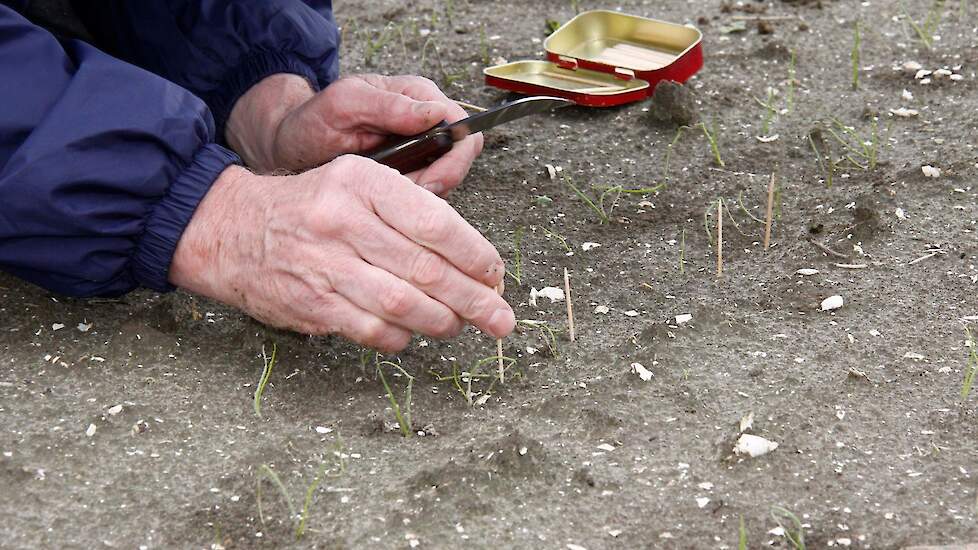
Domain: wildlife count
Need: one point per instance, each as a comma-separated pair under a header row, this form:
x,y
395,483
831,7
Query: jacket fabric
x,y
106,148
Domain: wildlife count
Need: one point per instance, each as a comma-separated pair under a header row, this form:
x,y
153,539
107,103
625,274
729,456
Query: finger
x,y
395,300
447,172
363,106
429,221
471,300
364,327
419,88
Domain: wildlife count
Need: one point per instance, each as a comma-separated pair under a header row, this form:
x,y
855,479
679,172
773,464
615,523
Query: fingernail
x,y
502,321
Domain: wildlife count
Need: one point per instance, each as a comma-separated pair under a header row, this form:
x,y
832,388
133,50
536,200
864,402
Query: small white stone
x,y
642,372
754,445
930,171
551,171
553,293
832,302
900,214
57,326
606,447
601,310
912,66
768,139
589,246
904,112
114,410
84,327
806,272
631,313
323,430
91,430
941,73
702,502
907,95
706,486
684,318
922,73
956,77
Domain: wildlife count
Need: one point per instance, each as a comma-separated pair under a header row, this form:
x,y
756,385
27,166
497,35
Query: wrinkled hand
x,y
281,124
352,248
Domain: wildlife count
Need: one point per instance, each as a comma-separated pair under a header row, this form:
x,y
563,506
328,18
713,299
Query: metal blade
x,y
503,114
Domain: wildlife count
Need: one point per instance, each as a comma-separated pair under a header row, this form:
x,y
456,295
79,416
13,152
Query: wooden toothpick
x,y
470,106
499,347
719,238
570,305
770,212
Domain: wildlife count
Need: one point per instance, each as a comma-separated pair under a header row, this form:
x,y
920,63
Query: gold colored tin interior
x,y
582,81
621,40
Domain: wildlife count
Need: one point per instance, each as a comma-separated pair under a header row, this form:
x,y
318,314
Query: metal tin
x,y
624,55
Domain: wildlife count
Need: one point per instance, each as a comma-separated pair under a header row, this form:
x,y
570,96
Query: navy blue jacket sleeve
x,y
218,49
101,165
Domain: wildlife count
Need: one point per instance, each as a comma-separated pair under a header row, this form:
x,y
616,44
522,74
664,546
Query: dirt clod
x,y
673,102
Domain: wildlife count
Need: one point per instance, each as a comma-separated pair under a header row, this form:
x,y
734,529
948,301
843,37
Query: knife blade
x,y
407,154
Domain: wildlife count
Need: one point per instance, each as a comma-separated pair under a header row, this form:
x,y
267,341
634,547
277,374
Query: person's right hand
x,y
352,248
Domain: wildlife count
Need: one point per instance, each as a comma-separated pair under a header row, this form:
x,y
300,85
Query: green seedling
x,y
547,334
561,240
790,96
679,134
854,55
682,253
862,152
740,203
616,191
827,165
403,414
793,530
462,380
265,472
450,12
711,136
587,200
517,272
742,535
375,44
925,29
265,374
972,368
484,42
771,111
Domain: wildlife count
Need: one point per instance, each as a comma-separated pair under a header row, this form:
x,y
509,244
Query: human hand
x,y
281,124
352,248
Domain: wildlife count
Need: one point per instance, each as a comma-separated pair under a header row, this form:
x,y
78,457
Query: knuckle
x,y
427,269
478,304
433,226
396,300
448,327
373,333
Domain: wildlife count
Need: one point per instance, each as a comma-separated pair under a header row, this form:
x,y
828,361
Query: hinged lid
x,y
582,86
603,58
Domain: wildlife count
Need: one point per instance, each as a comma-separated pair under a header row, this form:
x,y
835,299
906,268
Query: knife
x,y
407,154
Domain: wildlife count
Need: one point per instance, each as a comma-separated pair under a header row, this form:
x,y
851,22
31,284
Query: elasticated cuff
x,y
166,223
249,72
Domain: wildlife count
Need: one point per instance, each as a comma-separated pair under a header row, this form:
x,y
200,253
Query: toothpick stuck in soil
x,y
770,213
499,347
719,238
570,306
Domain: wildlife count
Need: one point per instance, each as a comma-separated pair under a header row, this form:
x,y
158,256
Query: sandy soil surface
x,y
877,449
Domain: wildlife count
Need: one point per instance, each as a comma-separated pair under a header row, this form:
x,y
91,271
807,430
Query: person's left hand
x,y
281,124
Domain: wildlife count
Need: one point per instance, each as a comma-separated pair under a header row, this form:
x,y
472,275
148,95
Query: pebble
x,y
91,430
832,302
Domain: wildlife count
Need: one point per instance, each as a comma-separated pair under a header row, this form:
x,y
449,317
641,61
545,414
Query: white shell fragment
x,y
806,272
930,171
747,422
907,95
832,302
642,372
114,410
553,293
606,447
923,73
57,326
91,430
589,246
323,430
702,502
912,66
601,310
768,139
900,213
904,112
84,327
684,318
631,313
754,445
551,171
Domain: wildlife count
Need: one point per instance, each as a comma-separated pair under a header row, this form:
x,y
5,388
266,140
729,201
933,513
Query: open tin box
x,y
605,58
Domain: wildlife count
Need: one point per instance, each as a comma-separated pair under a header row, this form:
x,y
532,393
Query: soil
x,y
877,449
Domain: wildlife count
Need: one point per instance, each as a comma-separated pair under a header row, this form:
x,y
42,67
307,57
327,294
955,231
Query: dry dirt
x,y
877,448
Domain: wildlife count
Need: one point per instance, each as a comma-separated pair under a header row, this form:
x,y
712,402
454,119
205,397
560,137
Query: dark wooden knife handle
x,y
415,156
